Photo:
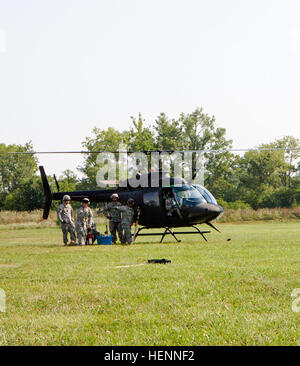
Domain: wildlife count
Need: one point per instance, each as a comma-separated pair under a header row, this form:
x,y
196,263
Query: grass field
x,y
222,292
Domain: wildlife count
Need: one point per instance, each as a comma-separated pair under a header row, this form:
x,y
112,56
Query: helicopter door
x,y
151,207
170,203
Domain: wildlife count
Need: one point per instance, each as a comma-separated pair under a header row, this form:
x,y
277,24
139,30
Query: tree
x,y
261,174
195,131
291,157
259,178
200,133
140,138
68,181
15,170
168,133
263,167
27,197
101,140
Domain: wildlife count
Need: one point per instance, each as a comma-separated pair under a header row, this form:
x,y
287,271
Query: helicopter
x,y
166,206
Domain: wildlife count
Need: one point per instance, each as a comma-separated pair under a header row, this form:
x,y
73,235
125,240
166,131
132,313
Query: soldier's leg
x,y
84,235
72,233
127,230
82,239
129,235
65,233
112,229
68,230
80,236
120,232
123,240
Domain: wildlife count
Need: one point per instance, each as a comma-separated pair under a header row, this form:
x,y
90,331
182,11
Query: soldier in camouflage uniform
x,y
114,216
93,230
84,221
126,221
65,216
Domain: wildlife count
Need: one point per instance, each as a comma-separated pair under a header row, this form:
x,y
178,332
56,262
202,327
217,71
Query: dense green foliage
x,y
20,187
257,179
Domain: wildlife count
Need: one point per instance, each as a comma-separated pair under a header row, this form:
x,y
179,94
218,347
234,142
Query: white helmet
x,y
66,197
114,195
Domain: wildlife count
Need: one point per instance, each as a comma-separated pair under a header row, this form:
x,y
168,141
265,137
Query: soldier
x,y
127,217
93,230
65,216
114,216
84,221
170,205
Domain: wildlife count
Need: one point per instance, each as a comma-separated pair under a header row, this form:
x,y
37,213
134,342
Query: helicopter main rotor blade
x,y
56,182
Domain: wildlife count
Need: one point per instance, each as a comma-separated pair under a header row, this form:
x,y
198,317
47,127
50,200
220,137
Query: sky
x,y
69,65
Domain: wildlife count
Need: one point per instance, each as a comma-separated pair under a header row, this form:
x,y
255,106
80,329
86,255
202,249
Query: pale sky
x,y
69,65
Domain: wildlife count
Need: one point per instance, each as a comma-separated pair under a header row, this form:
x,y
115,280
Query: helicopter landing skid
x,y
168,231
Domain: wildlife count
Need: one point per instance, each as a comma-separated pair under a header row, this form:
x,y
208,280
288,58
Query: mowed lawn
x,y
222,292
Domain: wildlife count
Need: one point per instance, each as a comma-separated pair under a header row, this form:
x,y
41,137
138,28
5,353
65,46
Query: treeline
x,y
257,179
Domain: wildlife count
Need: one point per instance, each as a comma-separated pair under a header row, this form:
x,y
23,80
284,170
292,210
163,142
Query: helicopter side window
x,y
151,199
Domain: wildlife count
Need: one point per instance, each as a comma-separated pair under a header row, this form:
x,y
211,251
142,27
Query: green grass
x,y
222,292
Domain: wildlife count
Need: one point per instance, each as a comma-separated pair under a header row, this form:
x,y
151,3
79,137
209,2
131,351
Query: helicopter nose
x,y
216,211
205,211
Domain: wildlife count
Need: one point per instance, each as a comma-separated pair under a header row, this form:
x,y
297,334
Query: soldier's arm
x,y
59,212
106,210
121,208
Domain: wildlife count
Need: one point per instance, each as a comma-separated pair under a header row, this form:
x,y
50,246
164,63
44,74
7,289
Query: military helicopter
x,y
166,206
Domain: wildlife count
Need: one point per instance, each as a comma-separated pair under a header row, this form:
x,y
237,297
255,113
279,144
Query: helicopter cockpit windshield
x,y
187,196
206,194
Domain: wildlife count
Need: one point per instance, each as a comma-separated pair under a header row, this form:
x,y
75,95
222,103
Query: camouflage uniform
x,y
127,216
83,220
111,211
65,216
93,231
170,205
